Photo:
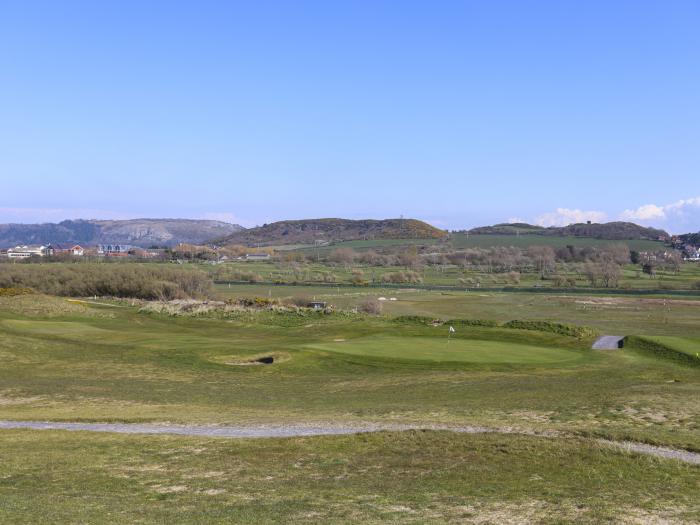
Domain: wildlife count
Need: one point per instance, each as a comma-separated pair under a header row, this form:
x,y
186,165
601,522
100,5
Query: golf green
x,y
457,350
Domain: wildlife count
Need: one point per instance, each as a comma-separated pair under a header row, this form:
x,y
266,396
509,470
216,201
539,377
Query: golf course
x,y
546,415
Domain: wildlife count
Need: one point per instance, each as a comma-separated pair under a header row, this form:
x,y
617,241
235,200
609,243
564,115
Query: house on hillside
x,y
58,249
25,252
691,253
113,250
257,256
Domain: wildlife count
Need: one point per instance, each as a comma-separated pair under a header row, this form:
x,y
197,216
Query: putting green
x,y
458,350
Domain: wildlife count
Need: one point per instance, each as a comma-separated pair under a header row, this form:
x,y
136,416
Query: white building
x,y
24,252
257,256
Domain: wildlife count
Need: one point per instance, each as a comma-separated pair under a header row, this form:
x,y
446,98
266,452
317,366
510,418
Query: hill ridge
x,y
137,232
308,231
615,230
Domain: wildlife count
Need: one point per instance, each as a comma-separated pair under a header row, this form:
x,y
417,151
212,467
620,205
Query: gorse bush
x,y
472,322
142,281
14,291
370,306
402,277
541,326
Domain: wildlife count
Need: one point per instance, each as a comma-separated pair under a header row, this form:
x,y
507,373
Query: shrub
x,y
258,302
370,306
557,328
413,319
14,291
473,322
133,280
299,300
407,276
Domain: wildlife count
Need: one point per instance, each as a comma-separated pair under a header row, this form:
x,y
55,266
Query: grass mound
x,y
682,350
38,305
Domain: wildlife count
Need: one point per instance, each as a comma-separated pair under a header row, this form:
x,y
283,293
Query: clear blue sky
x,y
460,113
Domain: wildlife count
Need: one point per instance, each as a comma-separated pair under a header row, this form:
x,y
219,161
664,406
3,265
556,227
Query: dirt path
x,y
281,431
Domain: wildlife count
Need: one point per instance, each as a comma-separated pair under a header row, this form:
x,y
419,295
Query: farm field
x,y
449,275
75,361
462,240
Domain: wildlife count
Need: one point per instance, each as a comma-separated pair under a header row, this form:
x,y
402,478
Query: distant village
x,y
690,252
189,252
179,252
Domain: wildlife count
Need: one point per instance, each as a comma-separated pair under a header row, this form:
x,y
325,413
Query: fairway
x,y
457,350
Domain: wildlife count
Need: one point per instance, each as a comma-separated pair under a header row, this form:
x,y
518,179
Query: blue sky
x,y
460,113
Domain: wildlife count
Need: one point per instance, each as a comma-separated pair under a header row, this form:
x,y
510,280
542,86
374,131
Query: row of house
x,y
105,250
76,250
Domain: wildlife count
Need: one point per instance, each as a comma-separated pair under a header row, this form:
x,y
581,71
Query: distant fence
x,y
450,288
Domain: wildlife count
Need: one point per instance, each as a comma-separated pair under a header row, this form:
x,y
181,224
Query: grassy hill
x,y
605,231
469,240
332,230
690,238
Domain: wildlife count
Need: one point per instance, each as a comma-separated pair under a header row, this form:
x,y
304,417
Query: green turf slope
x,y
456,350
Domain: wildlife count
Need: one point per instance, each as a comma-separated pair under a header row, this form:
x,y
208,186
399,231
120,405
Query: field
x,y
448,276
462,240
75,361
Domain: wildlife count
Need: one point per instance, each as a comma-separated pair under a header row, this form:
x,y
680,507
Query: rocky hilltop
x,y
137,232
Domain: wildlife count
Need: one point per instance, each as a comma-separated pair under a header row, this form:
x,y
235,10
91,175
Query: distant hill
x,y
690,238
137,232
608,231
332,230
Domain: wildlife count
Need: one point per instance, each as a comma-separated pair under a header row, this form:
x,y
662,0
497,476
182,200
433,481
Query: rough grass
x,y
408,477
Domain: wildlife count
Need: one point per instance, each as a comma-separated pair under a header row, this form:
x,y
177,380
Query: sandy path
x,y
281,431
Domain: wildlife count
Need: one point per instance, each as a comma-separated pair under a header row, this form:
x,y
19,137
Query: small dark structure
x,y
609,342
316,305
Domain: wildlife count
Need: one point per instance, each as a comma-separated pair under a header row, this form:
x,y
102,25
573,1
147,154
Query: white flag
x,y
452,330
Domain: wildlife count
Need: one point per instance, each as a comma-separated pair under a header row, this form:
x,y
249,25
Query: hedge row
x,y
660,350
541,326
